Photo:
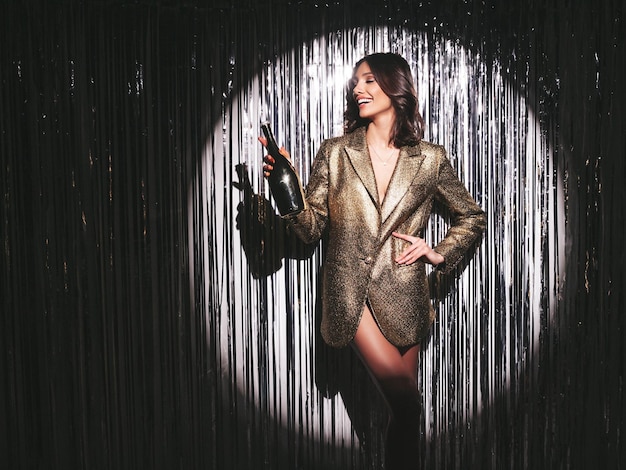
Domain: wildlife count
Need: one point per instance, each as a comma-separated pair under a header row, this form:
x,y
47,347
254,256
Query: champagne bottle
x,y
283,179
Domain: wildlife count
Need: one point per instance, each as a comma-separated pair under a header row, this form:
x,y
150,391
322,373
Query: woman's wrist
x,y
436,259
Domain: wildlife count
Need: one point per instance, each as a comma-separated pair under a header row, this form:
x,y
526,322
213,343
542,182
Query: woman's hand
x,y
269,160
418,248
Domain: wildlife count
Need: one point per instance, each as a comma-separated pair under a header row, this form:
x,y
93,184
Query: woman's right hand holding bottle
x,y
281,176
269,160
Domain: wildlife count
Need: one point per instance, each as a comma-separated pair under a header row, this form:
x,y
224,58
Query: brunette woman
x,y
371,193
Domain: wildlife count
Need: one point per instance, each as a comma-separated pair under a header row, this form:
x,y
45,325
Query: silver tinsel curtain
x,y
142,328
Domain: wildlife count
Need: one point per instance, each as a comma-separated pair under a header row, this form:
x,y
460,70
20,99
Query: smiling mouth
x,y
362,101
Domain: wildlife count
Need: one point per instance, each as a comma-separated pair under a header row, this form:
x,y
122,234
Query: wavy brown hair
x,y
393,75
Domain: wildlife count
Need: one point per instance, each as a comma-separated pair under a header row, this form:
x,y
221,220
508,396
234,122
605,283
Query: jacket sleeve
x,y
468,219
310,224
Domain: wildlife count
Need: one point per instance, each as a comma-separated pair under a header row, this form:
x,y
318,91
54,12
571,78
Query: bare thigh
x,y
394,369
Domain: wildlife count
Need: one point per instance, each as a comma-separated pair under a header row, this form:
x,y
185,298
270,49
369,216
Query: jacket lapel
x,y
409,163
360,159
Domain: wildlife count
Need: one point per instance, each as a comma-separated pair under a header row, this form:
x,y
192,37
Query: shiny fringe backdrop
x,y
139,328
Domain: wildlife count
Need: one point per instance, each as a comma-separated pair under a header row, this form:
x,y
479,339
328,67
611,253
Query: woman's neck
x,y
378,134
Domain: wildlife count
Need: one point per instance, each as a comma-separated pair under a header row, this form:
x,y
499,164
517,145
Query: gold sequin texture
x,y
359,266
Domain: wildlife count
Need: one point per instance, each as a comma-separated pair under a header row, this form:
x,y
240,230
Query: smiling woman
x,y
268,331
373,223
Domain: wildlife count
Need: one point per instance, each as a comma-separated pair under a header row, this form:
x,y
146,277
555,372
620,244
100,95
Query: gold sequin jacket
x,y
359,267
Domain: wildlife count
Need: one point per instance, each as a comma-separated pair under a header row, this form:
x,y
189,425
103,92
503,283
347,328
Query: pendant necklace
x,y
383,161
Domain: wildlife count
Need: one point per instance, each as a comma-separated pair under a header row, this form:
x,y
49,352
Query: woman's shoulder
x,y
336,140
355,138
431,149
337,145
430,146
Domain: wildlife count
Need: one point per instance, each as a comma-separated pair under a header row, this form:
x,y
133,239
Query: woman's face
x,y
372,101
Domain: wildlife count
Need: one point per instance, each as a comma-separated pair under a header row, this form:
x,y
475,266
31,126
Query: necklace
x,y
384,161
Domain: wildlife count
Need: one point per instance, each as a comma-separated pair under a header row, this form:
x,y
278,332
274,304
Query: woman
x,y
371,193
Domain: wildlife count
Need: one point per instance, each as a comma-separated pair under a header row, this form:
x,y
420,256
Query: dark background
x,y
102,365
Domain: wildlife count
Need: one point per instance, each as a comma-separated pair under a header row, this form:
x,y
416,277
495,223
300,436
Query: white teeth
x,y
363,100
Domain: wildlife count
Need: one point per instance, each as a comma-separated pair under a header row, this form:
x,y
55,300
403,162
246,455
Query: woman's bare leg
x,y
395,373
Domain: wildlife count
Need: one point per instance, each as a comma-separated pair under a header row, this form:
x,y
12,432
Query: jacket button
x,y
368,260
